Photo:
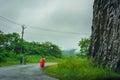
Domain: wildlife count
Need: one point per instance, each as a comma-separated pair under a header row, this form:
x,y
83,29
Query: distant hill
x,y
69,51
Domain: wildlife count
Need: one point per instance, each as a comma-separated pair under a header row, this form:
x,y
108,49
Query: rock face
x,y
105,38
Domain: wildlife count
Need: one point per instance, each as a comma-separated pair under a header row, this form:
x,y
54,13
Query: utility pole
x,y
23,28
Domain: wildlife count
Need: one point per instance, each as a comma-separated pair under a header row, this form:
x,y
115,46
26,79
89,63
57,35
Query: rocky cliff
x,y
105,38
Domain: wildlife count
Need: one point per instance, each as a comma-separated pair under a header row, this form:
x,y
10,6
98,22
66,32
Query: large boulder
x,y
105,38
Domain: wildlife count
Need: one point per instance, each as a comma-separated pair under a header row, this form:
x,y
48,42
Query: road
x,y
24,72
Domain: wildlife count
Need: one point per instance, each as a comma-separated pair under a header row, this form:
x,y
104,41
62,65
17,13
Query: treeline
x,y
11,44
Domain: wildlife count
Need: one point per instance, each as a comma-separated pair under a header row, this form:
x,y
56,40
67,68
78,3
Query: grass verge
x,y
78,69
30,59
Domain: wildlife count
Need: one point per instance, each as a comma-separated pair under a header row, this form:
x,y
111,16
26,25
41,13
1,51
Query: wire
x,y
51,30
3,25
11,21
44,29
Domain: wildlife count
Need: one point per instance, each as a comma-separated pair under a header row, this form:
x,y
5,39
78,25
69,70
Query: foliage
x,y
74,68
4,55
11,44
84,45
3,39
46,48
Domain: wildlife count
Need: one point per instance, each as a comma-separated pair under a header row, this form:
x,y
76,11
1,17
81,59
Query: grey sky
x,y
61,15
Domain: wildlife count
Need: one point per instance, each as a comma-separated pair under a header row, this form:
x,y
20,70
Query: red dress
x,y
42,62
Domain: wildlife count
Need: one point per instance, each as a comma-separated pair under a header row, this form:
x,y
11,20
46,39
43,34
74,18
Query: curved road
x,y
24,72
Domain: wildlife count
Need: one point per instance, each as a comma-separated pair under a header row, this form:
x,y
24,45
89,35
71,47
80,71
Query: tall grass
x,y
36,58
73,68
29,59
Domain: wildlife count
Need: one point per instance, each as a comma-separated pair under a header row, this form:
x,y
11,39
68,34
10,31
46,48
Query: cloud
x,y
61,15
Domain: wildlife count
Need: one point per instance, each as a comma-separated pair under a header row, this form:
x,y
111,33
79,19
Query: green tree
x,y
13,42
84,46
3,40
50,49
45,48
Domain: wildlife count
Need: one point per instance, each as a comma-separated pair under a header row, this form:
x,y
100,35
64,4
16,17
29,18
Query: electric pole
x,y
23,28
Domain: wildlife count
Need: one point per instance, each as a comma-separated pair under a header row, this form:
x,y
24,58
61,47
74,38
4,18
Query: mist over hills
x,y
70,51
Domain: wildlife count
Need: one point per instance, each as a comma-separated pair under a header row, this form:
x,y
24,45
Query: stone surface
x,y
105,38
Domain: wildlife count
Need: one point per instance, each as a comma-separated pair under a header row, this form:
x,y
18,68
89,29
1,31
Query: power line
x,y
51,30
11,21
44,29
2,24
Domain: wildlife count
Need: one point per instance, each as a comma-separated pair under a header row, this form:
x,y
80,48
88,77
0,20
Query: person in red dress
x,y
42,62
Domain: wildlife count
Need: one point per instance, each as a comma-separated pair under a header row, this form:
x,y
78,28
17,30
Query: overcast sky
x,y
62,16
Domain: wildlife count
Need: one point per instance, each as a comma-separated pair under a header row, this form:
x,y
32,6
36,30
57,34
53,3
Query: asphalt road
x,y
24,72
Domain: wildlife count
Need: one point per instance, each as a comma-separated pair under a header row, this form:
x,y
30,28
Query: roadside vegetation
x,y
78,68
69,67
12,47
30,59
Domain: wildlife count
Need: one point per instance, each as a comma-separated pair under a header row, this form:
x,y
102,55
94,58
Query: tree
x,y
84,46
3,40
46,48
50,49
13,42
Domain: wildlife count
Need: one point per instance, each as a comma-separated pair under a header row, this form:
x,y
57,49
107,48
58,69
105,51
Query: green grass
x,y
8,63
36,58
73,68
30,59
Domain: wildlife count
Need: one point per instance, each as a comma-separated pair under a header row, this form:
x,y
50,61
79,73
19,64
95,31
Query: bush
x,y
6,54
3,56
